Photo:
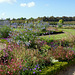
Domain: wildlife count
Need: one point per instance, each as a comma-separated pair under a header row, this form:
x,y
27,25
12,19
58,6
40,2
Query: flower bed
x,y
26,54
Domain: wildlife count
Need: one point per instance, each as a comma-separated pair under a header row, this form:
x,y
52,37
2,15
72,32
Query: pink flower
x,y
8,72
66,56
1,70
11,59
59,53
14,69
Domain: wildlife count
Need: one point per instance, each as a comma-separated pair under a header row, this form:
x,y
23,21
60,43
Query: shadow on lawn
x,y
51,33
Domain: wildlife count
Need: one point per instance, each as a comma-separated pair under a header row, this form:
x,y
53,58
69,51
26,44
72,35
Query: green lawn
x,y
66,34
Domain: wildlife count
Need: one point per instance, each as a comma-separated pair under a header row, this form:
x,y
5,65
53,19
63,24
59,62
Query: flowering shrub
x,y
15,59
29,55
62,54
34,70
59,26
45,48
28,37
9,62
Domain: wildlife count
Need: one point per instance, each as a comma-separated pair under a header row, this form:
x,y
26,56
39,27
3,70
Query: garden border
x,y
57,67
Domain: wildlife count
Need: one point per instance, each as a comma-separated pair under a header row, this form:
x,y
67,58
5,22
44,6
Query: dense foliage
x,y
27,53
4,31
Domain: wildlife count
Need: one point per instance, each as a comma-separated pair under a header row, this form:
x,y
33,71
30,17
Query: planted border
x,y
57,67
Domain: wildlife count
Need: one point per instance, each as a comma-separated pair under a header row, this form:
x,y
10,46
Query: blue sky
x,y
36,8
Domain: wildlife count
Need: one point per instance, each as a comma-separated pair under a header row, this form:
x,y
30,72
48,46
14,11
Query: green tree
x,y
12,22
7,18
61,21
38,21
21,18
13,19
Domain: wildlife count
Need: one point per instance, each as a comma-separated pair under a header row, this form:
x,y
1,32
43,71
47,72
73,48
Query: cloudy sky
x,y
36,8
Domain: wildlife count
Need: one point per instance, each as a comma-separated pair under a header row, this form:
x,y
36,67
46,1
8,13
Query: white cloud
x,y
23,4
31,4
3,14
7,1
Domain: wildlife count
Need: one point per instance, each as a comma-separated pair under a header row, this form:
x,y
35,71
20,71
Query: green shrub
x,y
65,43
31,26
53,23
59,26
52,70
45,48
4,31
28,38
47,40
4,41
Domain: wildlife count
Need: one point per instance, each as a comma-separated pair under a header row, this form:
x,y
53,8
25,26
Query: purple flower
x,y
19,71
33,72
39,70
30,69
38,67
19,66
4,50
23,69
34,68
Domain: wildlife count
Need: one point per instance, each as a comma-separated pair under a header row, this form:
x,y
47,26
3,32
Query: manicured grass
x,y
66,34
70,31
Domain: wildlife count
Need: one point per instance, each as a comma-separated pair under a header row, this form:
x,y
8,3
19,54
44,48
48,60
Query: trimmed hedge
x,y
57,67
52,70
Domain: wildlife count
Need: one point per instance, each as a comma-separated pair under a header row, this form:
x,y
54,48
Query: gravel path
x,y
69,71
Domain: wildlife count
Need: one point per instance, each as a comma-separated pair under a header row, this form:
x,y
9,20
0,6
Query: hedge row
x,y
56,68
52,70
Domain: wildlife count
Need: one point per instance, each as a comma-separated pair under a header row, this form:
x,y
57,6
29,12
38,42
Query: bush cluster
x,y
4,31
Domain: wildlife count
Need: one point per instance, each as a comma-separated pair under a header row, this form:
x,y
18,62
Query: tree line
x,y
51,18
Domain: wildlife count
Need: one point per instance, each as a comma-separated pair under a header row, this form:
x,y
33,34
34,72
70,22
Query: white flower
x,y
54,60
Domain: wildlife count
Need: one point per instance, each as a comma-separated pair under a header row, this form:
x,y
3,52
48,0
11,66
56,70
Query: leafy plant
x,y
28,37
59,26
62,54
4,31
45,48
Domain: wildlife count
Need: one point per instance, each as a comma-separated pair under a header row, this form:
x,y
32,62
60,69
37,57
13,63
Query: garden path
x,y
68,71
